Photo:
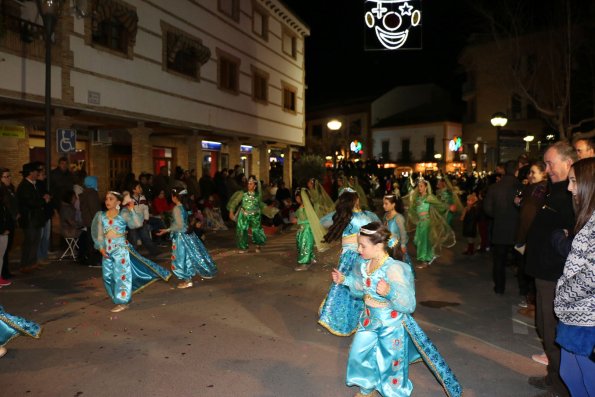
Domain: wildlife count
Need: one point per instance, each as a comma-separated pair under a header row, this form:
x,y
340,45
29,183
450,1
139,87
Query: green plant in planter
x,y
308,166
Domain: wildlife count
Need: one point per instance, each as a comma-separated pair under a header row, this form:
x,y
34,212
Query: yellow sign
x,y
12,131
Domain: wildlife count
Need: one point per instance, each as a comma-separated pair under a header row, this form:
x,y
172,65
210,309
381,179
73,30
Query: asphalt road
x,y
251,331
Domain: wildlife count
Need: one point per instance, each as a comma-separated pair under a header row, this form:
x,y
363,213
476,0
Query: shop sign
x,y
210,145
12,131
245,149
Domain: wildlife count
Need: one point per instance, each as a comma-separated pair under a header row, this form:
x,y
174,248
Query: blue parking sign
x,y
66,140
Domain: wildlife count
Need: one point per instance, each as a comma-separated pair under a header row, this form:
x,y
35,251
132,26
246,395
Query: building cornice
x,y
286,15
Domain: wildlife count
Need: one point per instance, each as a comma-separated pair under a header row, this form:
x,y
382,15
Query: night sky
x,y
338,67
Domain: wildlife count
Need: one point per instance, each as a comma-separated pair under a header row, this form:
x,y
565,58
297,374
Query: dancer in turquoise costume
x,y
432,231
248,215
395,222
388,339
125,271
189,255
13,326
321,201
340,310
310,233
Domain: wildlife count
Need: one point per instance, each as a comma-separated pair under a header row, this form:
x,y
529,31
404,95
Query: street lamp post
x,y
498,120
334,125
49,13
528,139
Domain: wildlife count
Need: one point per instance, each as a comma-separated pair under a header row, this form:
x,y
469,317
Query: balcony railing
x,y
23,37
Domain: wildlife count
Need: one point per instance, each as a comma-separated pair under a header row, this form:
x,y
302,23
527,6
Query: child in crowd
x,y
248,215
189,255
310,232
395,222
469,218
125,271
340,310
388,339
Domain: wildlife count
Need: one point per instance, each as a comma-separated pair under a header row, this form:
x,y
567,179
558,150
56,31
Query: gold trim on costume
x,y
427,360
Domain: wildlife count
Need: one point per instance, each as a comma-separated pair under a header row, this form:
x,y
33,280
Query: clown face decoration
x,y
396,24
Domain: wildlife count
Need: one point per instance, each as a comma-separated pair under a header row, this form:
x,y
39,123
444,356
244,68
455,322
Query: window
x,y
405,150
183,54
355,128
260,85
112,34
385,150
113,25
289,98
429,148
231,8
260,22
228,73
317,131
289,44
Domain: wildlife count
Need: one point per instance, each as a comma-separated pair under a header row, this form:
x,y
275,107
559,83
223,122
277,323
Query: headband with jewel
x,y
367,231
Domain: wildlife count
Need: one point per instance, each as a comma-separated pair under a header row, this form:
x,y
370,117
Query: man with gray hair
x,y
545,264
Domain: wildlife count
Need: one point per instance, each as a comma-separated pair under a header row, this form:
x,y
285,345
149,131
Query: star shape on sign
x,y
405,9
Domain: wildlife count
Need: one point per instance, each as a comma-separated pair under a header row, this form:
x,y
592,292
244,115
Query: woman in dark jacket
x,y
9,198
530,201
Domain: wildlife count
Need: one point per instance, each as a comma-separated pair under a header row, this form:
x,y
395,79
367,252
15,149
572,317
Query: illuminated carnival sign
x,y
356,147
392,24
455,144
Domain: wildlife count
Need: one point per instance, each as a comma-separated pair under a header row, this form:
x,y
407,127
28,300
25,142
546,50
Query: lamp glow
x,y
499,119
334,125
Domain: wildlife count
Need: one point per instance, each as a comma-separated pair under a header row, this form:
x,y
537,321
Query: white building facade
x,y
206,84
413,126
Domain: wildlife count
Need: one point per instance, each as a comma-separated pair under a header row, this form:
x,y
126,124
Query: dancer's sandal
x,y
185,284
119,308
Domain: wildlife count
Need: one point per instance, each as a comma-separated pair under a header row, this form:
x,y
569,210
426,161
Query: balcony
x,y
25,38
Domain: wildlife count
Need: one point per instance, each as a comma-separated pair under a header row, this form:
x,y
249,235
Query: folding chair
x,y
71,249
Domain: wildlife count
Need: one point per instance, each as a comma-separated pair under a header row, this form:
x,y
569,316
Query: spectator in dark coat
x,y
544,263
207,186
282,193
9,198
44,240
31,207
162,181
222,191
61,180
499,205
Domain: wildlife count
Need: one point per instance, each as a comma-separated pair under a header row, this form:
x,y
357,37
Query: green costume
x,y
311,232
304,238
321,201
248,216
432,231
447,198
